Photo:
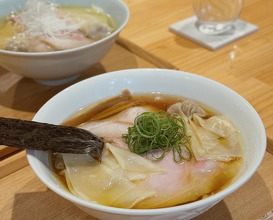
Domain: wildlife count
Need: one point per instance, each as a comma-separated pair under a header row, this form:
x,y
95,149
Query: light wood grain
x,y
4,150
269,147
245,65
145,54
13,163
23,196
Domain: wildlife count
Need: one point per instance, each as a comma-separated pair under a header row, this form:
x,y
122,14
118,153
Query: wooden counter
x,y
246,66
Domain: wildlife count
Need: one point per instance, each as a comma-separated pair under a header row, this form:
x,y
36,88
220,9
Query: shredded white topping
x,y
38,18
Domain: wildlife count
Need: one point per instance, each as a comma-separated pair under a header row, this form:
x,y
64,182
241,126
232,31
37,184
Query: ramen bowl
x,y
203,90
59,67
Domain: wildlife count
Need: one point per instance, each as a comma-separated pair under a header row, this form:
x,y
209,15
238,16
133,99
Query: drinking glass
x,y
216,16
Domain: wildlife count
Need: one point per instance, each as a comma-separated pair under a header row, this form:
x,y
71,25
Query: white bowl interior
x,y
203,90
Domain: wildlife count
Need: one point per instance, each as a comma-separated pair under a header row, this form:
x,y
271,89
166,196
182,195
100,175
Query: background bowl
x,y
205,91
59,67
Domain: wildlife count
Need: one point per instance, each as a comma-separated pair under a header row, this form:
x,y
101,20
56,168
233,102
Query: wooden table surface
x,y
246,66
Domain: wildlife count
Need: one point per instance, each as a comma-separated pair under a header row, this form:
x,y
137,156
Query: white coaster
x,y
188,29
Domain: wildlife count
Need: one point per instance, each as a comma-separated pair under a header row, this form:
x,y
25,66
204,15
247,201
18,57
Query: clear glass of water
x,y
216,16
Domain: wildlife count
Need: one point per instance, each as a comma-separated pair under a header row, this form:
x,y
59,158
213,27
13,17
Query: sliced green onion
x,y
159,131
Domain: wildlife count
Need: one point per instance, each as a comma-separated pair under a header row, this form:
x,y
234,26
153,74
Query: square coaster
x,y
188,29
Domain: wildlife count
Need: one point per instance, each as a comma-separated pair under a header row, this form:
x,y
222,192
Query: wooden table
x,y
245,66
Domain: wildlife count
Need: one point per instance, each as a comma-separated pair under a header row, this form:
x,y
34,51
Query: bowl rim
x,y
157,211
93,44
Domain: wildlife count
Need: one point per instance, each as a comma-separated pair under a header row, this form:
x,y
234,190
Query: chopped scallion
x,y
159,131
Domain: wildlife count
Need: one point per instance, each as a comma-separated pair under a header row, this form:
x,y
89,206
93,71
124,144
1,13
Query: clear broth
x,y
159,102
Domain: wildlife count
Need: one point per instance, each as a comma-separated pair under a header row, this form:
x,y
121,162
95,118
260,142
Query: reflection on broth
x,y
202,161
43,27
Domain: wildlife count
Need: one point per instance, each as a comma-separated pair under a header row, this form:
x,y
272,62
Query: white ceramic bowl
x,y
59,67
196,87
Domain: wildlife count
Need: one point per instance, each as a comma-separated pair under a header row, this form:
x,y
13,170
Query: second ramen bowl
x,y
59,67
